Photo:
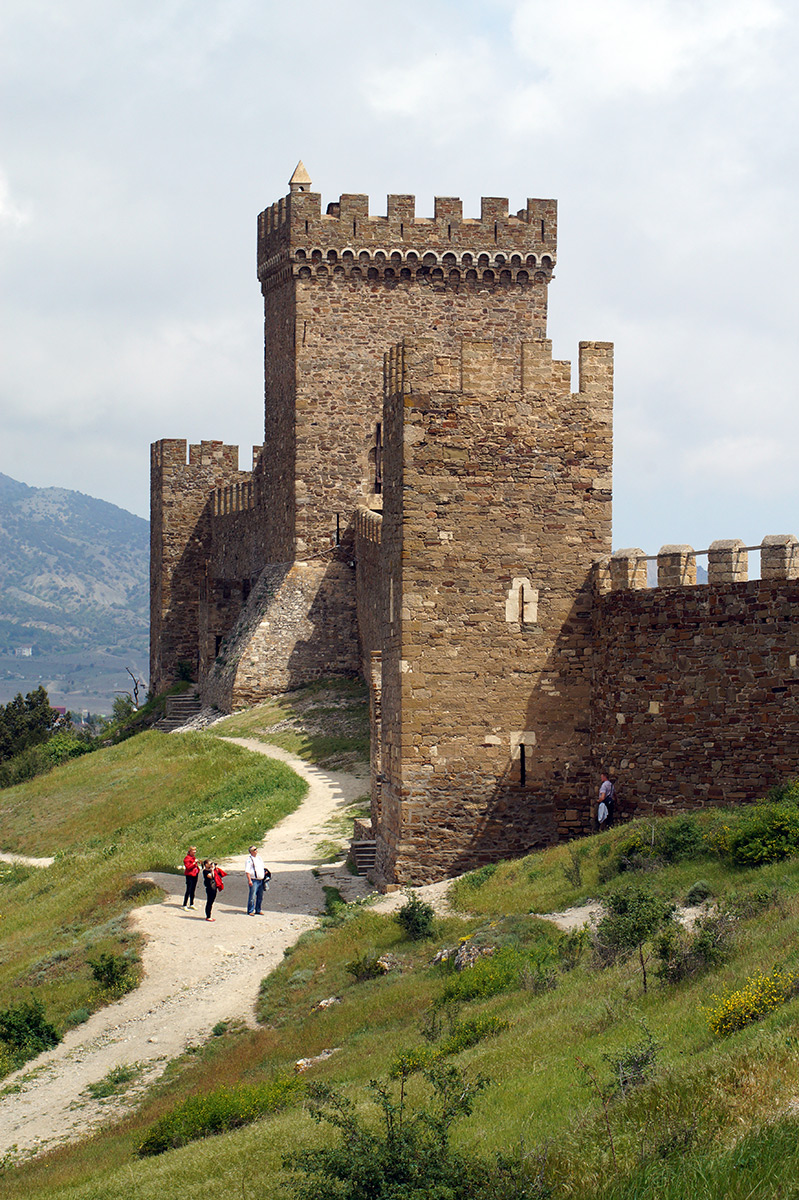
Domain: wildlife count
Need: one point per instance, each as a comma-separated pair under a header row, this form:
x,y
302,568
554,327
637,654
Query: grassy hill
x,y
602,1089
107,817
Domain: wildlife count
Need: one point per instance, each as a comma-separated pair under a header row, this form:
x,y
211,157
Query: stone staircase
x,y
362,854
179,710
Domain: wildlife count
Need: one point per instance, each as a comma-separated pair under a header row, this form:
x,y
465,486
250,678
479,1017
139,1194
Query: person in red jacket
x,y
192,871
212,878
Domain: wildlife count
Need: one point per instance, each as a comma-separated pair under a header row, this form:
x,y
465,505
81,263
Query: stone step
x,y
363,855
178,710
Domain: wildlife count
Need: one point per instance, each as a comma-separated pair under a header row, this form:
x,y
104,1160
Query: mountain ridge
x,y
74,581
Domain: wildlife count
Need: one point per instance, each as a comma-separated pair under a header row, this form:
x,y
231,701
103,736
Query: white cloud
x,y
12,215
638,47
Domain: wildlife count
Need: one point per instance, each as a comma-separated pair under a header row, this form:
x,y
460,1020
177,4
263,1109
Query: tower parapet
x,y
498,248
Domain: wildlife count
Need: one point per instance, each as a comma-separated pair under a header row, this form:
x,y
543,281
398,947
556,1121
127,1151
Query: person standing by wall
x,y
607,794
258,876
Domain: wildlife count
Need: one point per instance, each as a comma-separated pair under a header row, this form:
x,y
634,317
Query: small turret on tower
x,y
300,180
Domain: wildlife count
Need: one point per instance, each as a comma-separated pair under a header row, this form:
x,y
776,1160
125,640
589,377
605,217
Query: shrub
x,y
63,746
26,1031
78,1016
571,948
407,1155
539,974
683,953
487,977
634,914
217,1112
769,834
368,965
678,839
465,1034
760,995
698,893
751,903
475,879
573,869
116,1078
113,972
632,1066
416,918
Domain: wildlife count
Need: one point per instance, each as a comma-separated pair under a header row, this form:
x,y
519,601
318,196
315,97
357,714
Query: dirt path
x,y
196,973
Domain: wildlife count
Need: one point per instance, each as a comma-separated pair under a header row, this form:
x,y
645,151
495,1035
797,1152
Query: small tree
x,y
408,1154
633,915
416,918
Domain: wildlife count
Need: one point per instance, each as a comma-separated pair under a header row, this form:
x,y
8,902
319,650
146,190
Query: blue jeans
x,y
256,895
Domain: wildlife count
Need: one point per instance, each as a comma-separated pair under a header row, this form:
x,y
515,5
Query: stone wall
x,y
496,506
696,688
298,625
181,508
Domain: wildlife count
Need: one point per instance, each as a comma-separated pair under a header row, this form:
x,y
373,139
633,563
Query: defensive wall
x,y
696,686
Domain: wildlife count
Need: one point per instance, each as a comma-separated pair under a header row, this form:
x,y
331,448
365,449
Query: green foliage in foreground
x,y
675,1113
407,1156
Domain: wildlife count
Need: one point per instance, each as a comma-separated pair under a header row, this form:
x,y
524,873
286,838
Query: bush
x,y
26,1031
632,1066
217,1112
78,1016
760,995
571,948
698,893
633,916
488,976
678,839
113,972
407,1155
475,879
369,965
63,746
770,833
683,953
416,918
465,1034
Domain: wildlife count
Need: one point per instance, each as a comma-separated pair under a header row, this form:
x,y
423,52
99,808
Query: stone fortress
x,y
431,508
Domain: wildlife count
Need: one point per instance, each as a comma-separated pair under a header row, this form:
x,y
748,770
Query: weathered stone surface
x,y
438,519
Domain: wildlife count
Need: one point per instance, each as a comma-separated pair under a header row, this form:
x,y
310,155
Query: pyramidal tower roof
x,y
300,180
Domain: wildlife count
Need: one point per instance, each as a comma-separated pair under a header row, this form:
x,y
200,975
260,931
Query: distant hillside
x,y
74,581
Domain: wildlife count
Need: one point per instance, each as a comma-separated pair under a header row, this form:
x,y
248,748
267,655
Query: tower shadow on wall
x,y
544,793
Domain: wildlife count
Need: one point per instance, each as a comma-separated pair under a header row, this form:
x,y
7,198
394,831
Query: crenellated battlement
x,y
169,456
727,562
498,248
474,366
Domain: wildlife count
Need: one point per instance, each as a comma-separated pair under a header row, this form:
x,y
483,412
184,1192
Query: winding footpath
x,y
195,973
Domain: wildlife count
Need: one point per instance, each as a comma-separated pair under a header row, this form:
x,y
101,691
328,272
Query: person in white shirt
x,y
258,877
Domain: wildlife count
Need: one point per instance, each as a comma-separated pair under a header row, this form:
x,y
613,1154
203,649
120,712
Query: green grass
x,y
325,723
107,817
714,1121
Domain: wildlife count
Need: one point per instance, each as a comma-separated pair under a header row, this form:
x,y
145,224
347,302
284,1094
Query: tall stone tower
x,y
339,287
252,580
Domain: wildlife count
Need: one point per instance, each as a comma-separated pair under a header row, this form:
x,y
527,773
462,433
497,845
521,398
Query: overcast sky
x,y
141,139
